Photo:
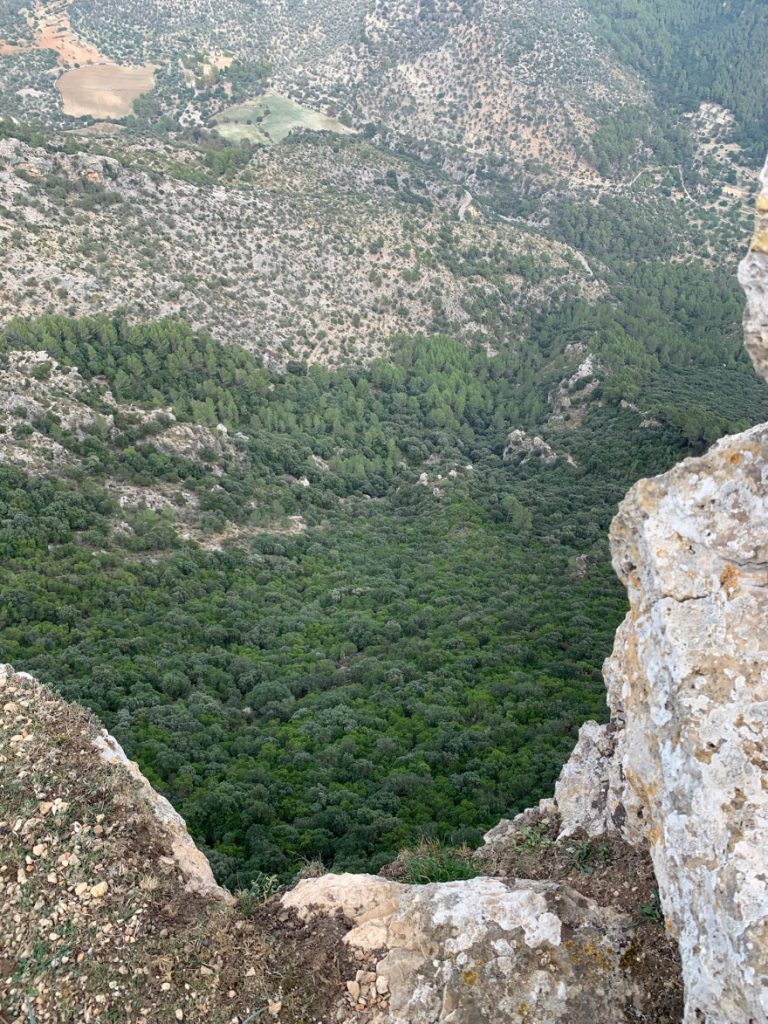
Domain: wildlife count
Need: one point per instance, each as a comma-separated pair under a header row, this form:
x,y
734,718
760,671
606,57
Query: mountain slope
x,y
318,625
324,249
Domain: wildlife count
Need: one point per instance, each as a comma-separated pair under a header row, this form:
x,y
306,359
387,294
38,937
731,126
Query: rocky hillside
x,y
476,81
494,161
109,911
324,250
481,75
328,249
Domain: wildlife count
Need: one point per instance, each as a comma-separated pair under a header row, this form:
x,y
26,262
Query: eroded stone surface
x,y
589,790
502,834
753,277
525,447
480,950
689,679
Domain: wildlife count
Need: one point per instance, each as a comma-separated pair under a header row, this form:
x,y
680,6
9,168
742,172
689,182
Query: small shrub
x,y
535,837
42,371
581,857
432,862
651,911
258,892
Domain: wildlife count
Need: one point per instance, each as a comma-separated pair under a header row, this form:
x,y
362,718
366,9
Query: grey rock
x,y
481,950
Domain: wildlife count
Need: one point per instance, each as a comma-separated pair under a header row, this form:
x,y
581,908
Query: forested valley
x,y
327,548
416,656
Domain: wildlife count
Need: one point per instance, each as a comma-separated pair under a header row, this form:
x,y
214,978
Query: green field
x,y
236,131
271,118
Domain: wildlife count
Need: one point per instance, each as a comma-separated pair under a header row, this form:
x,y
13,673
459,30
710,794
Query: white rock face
x,y
476,951
753,277
524,447
689,679
585,793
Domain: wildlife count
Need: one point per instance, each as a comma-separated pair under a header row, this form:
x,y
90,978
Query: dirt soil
x,y
51,29
96,925
103,90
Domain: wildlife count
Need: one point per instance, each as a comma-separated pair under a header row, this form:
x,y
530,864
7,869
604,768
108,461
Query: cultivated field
x,y
274,116
236,131
104,90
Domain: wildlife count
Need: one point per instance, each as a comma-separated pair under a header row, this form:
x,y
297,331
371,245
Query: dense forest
x,y
417,657
696,50
346,609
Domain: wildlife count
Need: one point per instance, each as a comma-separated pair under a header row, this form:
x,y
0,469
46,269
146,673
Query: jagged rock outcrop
x,y
525,447
578,388
586,792
753,277
475,951
688,680
191,864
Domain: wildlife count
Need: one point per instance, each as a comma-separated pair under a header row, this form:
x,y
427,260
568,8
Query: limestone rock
x,y
689,679
753,276
588,794
190,862
479,950
524,447
579,387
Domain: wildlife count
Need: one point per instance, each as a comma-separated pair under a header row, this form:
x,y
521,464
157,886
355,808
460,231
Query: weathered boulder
x,y
476,951
588,792
688,679
499,837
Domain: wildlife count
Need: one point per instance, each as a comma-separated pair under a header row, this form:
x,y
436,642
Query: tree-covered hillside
x,y
692,51
417,656
365,598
